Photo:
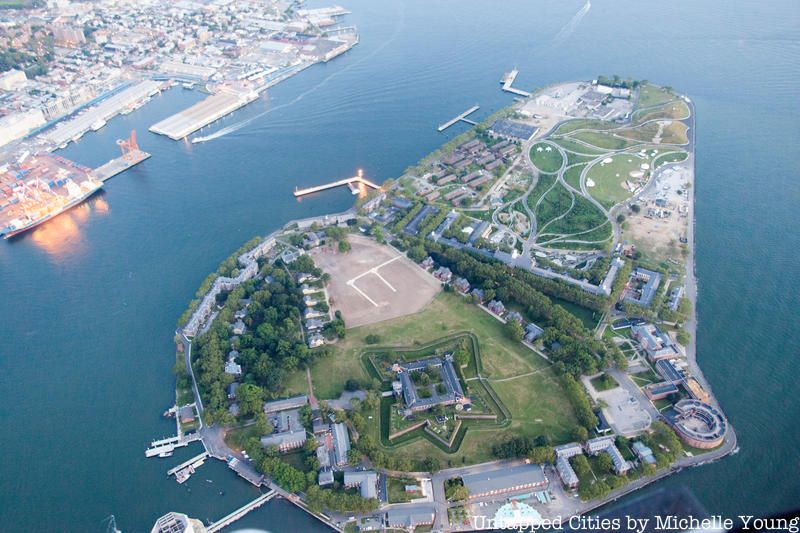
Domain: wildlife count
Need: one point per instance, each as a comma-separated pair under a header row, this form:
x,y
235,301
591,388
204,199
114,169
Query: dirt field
x,y
372,282
659,238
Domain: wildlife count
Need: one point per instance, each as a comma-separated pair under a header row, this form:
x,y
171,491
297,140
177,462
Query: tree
x,y
372,339
605,463
344,246
542,455
683,337
636,208
515,330
263,427
620,218
580,433
431,464
250,398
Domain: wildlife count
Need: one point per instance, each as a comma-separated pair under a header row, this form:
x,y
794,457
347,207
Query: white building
x,y
17,125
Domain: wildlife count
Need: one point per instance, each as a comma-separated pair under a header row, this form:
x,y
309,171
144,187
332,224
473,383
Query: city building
x,y
365,480
177,523
512,130
532,332
504,480
697,423
642,286
409,517
644,453
654,342
606,445
414,401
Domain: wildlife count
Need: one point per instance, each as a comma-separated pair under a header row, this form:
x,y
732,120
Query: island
x,y
503,336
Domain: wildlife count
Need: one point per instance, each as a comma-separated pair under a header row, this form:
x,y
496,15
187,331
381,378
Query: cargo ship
x,y
56,206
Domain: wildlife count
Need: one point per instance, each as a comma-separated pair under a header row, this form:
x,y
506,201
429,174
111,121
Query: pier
x,y
460,118
188,463
358,179
240,512
508,80
131,156
165,446
203,113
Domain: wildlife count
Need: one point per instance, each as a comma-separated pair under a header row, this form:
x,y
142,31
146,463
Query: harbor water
x,y
89,301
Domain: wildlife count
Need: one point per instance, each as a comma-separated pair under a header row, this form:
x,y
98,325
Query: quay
x,y
508,80
240,512
460,118
358,179
203,113
188,463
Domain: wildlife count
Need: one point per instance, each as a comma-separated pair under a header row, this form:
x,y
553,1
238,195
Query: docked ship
x,y
52,207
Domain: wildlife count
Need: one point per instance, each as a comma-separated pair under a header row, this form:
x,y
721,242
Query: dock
x,y
240,512
203,456
203,113
163,447
508,80
357,180
118,165
460,118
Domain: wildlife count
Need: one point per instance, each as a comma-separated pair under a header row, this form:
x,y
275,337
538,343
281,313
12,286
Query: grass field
x,y
572,146
676,109
581,124
650,95
546,157
573,176
603,140
608,178
673,157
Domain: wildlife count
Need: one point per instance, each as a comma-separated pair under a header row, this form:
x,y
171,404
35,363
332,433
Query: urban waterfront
x,y
90,300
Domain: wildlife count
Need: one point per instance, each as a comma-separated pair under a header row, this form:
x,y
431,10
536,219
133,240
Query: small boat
x,y
98,124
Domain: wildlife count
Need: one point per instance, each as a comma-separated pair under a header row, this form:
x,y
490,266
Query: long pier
x,y
460,118
241,511
184,464
357,179
508,80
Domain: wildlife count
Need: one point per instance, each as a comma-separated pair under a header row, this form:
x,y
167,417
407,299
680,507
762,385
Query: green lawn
x,y
603,140
546,157
609,177
237,438
670,157
572,175
396,489
650,95
676,109
604,382
583,124
570,145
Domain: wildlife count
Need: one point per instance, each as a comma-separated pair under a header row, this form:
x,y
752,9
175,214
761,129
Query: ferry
x,y
18,226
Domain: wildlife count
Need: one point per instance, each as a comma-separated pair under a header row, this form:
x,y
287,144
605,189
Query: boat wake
x,y
572,25
239,125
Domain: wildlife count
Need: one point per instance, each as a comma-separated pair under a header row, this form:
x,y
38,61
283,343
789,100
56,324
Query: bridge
x,y
462,118
241,511
357,179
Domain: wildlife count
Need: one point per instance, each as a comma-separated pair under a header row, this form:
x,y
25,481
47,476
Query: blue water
x,y
89,301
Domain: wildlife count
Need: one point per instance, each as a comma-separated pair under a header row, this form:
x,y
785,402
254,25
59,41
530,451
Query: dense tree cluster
x,y
519,446
271,348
